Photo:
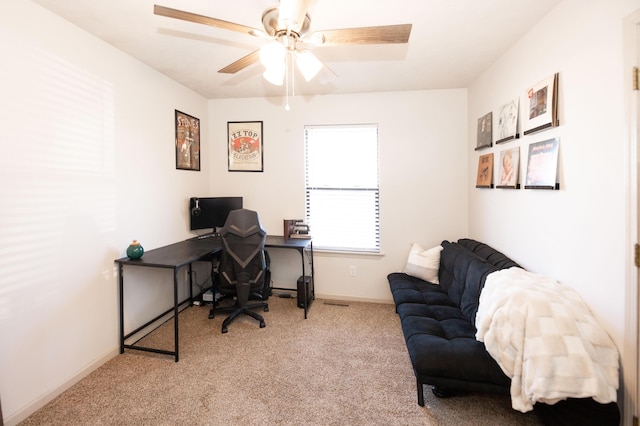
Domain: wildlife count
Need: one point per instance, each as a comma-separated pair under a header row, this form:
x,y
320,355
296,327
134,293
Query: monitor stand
x,y
212,234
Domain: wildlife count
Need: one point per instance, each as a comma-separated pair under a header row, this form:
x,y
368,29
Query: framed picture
x,y
542,165
508,121
485,171
541,105
245,149
484,131
509,167
187,142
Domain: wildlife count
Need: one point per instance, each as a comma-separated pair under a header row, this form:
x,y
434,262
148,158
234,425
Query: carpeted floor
x,y
346,364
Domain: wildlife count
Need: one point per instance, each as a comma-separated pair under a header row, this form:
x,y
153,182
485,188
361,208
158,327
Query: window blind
x,y
342,187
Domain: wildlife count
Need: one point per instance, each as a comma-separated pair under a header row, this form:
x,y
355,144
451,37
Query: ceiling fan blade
x,y
201,19
386,34
241,63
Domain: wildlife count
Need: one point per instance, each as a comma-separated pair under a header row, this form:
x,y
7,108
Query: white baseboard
x,y
352,298
44,399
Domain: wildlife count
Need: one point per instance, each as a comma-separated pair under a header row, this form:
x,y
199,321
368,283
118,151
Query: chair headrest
x,y
242,222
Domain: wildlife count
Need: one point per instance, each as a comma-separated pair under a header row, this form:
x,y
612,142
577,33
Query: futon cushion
x,y
488,253
455,264
441,341
408,289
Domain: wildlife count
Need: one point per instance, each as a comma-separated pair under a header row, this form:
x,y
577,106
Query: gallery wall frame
x,y
542,165
485,135
245,146
509,167
484,177
541,105
508,122
187,130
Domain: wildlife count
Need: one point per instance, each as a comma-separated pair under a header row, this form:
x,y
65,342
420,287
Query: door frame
x,y
630,370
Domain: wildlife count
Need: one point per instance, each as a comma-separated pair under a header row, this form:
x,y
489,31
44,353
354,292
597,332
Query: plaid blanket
x,y
546,339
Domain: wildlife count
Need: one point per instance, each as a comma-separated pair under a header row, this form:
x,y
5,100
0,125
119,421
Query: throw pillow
x,y
424,264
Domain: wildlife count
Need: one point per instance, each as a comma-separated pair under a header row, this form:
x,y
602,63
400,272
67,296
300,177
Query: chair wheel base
x,y
262,324
224,329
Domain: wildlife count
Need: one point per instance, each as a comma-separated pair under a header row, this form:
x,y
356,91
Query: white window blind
x,y
342,193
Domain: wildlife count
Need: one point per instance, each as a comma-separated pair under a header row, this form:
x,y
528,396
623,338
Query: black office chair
x,y
243,268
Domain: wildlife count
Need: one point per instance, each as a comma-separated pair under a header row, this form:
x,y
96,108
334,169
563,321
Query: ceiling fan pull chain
x,y
286,77
293,77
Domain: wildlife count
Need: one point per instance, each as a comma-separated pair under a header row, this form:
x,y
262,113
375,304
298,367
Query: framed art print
x,y
542,165
508,121
484,131
509,167
245,149
541,105
187,142
485,171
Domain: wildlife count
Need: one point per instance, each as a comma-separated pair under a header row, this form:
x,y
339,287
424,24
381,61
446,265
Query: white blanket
x,y
545,338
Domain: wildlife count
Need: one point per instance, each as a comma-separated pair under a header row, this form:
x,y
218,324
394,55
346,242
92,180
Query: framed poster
x,y
541,105
484,131
485,171
245,149
187,142
508,121
542,165
509,168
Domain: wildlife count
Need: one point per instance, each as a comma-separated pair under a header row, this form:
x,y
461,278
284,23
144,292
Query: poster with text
x,y
187,142
245,146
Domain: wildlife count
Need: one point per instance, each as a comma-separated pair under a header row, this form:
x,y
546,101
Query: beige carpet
x,y
344,365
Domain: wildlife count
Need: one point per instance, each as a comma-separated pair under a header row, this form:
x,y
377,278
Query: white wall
x,y
87,165
577,234
423,177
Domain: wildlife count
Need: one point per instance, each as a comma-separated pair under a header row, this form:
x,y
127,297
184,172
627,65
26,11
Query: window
x,y
342,193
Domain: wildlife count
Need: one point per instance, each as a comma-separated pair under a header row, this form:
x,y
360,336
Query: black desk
x,y
173,256
177,255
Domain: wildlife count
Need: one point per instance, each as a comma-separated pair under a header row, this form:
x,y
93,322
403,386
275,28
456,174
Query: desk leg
x,y
121,289
175,310
313,275
312,285
191,284
305,296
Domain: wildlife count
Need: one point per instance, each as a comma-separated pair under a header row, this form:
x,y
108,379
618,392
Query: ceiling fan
x,y
287,26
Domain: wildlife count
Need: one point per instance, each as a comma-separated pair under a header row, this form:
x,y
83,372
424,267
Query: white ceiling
x,y
451,43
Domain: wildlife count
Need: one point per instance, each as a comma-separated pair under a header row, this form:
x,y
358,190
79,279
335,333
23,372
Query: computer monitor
x,y
211,212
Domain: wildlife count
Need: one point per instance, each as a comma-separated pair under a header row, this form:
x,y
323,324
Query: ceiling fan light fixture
x,y
272,55
308,64
275,75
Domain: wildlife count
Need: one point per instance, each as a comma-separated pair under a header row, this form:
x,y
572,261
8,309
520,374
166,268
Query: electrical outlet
x,y
353,271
